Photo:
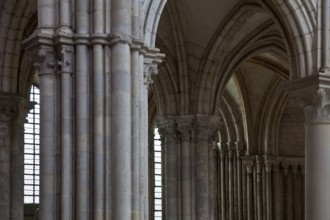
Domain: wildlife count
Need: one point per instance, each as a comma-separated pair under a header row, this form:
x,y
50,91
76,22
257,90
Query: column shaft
x,y
66,146
222,185
121,127
65,13
107,121
268,192
143,154
239,185
249,188
316,174
82,133
278,200
230,185
186,182
17,165
46,13
259,189
48,143
98,134
313,94
5,176
171,179
145,151
135,135
121,131
297,189
83,109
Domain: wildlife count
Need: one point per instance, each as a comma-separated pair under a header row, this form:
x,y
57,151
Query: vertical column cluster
x,y
264,187
94,74
229,180
189,166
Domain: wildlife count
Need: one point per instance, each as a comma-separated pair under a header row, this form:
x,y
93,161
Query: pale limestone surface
x,y
96,61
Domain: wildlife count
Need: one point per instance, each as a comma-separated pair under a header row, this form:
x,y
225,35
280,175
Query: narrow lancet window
x,y
157,175
31,151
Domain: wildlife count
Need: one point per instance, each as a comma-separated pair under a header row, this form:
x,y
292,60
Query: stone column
x,y
5,188
222,181
313,93
230,182
136,145
8,189
167,130
302,166
46,14
249,163
288,192
99,40
82,113
46,59
17,158
268,163
204,131
66,53
297,189
184,131
121,144
259,188
239,149
278,192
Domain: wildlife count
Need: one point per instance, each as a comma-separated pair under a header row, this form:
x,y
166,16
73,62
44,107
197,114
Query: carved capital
x,y
313,94
205,128
66,56
286,168
184,126
45,59
248,162
150,69
4,133
8,107
40,47
167,129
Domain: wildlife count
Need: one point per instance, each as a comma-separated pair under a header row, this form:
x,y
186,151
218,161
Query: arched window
x,y
31,151
157,159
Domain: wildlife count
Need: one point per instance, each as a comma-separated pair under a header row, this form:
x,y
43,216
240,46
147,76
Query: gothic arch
x,y
15,16
297,21
152,10
227,51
